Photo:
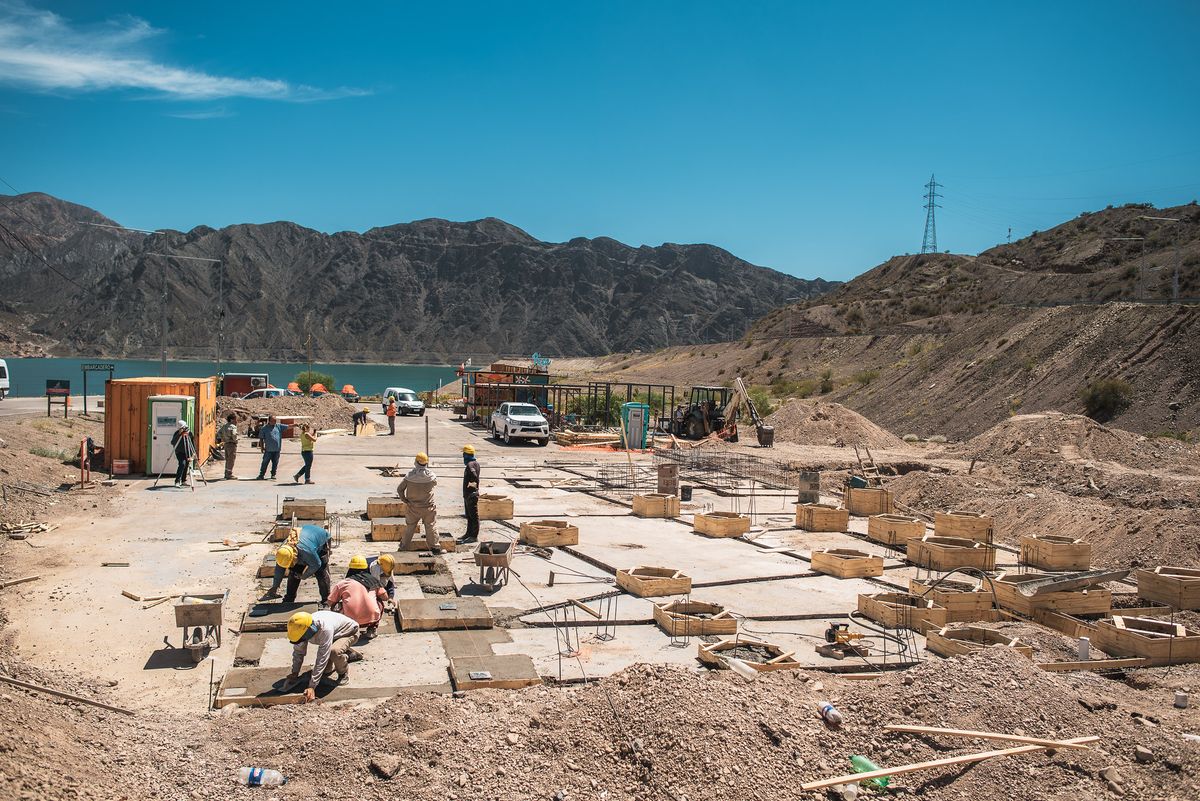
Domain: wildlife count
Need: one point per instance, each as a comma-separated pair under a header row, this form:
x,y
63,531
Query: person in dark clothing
x,y
471,493
185,449
309,557
271,440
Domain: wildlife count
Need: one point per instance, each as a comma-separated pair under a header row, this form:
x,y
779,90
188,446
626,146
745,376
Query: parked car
x,y
267,392
4,385
407,401
520,421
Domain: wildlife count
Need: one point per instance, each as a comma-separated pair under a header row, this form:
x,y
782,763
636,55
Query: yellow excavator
x,y
766,433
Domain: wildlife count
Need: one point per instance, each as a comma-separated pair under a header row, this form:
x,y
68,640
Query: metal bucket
x,y
685,492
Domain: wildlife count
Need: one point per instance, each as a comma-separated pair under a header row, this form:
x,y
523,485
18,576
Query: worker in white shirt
x,y
333,633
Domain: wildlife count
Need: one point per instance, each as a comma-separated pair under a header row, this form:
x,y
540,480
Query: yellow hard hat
x,y
387,563
358,562
422,458
285,557
299,624
469,449
365,409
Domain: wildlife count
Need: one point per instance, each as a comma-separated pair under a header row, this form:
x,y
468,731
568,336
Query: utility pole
x,y
308,344
929,242
1009,240
162,345
220,311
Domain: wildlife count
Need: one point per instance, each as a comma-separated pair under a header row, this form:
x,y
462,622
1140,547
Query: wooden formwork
x,y
549,533
846,563
391,529
777,659
283,526
385,506
1160,642
651,582
902,610
867,501
964,525
1055,553
721,524
656,505
964,601
694,619
303,508
821,517
959,641
495,507
895,530
948,553
1177,587
1092,601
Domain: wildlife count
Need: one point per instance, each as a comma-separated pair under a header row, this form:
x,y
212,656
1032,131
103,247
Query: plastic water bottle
x,y
260,777
863,765
829,713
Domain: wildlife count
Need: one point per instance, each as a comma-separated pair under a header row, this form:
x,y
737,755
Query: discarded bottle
x,y
829,713
260,777
863,765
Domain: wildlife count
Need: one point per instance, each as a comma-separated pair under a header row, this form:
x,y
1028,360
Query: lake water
x,y
28,376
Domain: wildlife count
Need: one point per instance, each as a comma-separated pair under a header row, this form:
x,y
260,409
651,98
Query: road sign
x,y
58,387
98,366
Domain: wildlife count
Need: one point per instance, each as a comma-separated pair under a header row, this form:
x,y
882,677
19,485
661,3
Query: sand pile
x,y
327,411
816,422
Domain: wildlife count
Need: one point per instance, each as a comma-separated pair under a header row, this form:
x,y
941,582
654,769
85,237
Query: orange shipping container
x,y
126,424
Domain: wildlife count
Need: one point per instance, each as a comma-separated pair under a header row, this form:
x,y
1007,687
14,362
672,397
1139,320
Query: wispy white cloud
x,y
43,51
202,114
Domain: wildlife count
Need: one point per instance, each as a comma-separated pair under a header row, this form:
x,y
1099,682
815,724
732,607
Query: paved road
x,y
36,407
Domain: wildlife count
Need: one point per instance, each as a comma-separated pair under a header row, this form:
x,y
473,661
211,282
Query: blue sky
x,y
796,135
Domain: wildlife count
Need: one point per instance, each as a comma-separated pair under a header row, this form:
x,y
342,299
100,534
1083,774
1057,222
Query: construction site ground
x,y
657,724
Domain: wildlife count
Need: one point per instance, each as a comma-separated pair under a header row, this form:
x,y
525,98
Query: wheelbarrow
x,y
201,616
494,559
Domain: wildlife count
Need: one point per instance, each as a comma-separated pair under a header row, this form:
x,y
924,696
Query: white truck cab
x,y
4,385
520,421
407,401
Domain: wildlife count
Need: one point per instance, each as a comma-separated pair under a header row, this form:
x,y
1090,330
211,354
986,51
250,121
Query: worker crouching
x,y
305,554
360,596
416,490
333,633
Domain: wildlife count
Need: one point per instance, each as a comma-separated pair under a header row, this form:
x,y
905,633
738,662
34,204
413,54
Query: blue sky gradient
x,y
796,135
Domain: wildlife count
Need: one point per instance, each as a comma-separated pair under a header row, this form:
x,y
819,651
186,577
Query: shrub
x,y
826,382
1106,398
864,377
51,453
306,378
761,398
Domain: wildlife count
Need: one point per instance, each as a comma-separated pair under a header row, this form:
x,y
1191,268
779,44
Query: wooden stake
x,y
984,735
15,582
854,778
61,694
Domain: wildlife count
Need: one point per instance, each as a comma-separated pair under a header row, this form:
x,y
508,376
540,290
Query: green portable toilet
x,y
162,414
636,417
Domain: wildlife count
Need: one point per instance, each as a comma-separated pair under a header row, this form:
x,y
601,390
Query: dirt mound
x,y
1073,437
815,422
327,411
34,469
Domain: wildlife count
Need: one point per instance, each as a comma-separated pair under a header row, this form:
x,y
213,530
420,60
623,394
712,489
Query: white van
x,y
4,385
407,401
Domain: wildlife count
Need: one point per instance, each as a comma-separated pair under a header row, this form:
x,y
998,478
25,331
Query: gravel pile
x,y
816,422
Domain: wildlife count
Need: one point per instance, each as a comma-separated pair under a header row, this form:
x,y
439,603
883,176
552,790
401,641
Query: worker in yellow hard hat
x,y
359,596
304,554
470,493
383,567
333,633
360,420
416,490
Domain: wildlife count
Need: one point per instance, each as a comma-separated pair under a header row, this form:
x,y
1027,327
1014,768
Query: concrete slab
x,y
632,645
273,615
818,595
429,614
389,660
477,643
510,672
628,609
803,636
573,578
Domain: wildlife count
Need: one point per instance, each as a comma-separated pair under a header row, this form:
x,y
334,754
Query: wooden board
x,y
1177,587
1055,554
1094,664
964,525
1159,642
959,641
821,517
508,672
426,614
721,524
710,654
391,529
653,582
681,619
902,610
385,506
867,501
549,533
495,507
1093,601
655,505
264,687
846,563
894,530
303,508
965,602
947,553
267,568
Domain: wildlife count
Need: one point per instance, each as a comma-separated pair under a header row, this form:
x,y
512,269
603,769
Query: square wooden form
x,y
1054,553
964,525
1093,601
959,641
902,610
385,506
821,517
549,533
495,507
682,619
867,501
304,508
650,582
721,524
1159,641
709,654
846,563
895,530
656,505
964,601
1177,587
947,553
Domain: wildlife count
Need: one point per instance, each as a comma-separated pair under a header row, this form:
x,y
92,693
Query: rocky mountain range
x,y
427,290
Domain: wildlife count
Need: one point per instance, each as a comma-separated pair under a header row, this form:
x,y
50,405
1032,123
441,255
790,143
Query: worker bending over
x,y
308,556
382,567
333,633
360,421
416,490
471,493
359,596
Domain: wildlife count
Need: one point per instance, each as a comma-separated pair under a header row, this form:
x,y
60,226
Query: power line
x,y
929,242
37,255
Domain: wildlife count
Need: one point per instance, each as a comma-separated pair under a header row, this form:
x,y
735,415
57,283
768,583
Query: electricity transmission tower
x,y
929,243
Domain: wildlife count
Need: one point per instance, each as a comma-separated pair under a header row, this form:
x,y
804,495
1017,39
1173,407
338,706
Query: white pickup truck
x,y
519,421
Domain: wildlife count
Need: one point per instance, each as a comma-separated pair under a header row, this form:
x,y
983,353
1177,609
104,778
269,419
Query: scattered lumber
x,y
984,735
1094,664
854,778
70,696
15,582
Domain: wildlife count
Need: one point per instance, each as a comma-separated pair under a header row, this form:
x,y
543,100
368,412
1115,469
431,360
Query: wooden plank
x,y
15,582
964,525
651,582
69,696
721,524
845,563
985,735
549,533
1094,664
939,763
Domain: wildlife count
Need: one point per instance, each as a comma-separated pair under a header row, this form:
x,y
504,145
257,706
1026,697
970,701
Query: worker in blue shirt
x,y
270,437
303,555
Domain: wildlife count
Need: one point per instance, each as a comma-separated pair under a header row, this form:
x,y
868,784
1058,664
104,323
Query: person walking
x,y
308,441
470,493
416,490
270,438
228,437
185,448
391,415
333,633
